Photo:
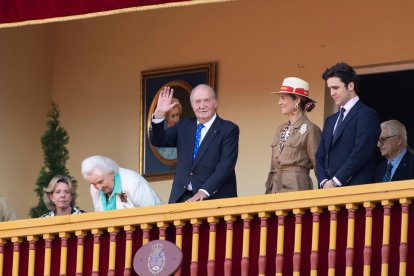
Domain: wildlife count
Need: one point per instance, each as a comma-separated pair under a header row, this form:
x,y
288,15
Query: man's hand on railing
x,y
199,196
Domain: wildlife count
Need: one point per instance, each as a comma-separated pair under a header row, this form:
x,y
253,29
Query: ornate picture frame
x,y
159,163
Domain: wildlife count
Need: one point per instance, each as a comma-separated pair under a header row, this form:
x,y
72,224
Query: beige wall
x,y
97,64
25,78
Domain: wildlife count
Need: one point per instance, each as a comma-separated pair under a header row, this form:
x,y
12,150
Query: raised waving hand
x,y
164,103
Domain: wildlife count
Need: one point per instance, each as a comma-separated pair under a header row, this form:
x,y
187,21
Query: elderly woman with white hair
x,y
114,188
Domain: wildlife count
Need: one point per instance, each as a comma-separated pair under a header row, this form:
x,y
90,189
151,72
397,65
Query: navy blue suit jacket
x,y
350,157
213,169
404,171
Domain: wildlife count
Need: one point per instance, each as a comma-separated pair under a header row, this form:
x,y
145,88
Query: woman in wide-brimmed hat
x,y
295,142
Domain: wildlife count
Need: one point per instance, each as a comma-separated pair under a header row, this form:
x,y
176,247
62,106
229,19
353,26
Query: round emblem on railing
x,y
158,257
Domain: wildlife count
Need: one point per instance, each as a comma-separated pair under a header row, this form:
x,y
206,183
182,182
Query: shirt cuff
x,y
322,183
337,182
156,121
204,191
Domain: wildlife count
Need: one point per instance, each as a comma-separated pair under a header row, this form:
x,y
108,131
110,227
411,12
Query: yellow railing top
x,y
210,208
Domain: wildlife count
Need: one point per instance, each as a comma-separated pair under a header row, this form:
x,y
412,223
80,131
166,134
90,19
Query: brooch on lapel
x,y
287,134
303,128
123,197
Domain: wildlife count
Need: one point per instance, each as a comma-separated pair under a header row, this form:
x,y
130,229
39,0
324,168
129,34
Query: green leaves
x,y
55,156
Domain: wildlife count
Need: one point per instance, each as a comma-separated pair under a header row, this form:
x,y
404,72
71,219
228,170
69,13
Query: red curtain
x,y
22,10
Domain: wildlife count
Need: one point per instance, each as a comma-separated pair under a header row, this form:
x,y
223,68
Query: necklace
x,y
283,137
291,124
285,133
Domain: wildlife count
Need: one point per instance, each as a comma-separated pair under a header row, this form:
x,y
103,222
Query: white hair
x,y
203,86
104,164
395,127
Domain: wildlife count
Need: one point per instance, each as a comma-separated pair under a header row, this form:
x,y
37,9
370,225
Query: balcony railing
x,y
360,230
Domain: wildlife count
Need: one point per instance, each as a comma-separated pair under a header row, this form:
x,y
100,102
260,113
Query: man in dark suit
x,y
207,147
346,153
399,163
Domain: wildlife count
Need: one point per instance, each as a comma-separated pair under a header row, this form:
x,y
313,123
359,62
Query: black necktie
x,y
340,119
387,174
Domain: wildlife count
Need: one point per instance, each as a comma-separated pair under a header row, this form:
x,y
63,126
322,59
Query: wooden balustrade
x,y
348,231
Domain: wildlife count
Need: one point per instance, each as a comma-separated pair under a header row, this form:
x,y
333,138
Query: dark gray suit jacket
x,y
213,169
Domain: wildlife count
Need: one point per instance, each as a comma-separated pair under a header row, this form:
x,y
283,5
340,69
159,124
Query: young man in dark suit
x,y
207,147
346,153
399,163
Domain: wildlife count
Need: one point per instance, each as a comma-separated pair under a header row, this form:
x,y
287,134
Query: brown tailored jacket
x,y
289,169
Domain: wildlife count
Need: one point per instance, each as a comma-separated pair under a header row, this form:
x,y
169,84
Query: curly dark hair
x,y
344,72
305,103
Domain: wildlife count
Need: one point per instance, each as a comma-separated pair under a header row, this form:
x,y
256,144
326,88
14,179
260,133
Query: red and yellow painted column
x,y
129,231
195,246
264,216
279,260
211,262
97,233
64,236
246,244
369,206
162,226
146,228
349,254
405,205
80,245
297,254
385,249
179,225
228,262
333,209
113,232
48,253
316,213
16,254
32,254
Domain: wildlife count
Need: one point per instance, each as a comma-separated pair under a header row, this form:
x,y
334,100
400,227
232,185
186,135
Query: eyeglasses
x,y
382,140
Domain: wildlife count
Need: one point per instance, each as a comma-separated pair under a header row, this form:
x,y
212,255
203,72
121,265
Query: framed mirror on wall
x,y
159,163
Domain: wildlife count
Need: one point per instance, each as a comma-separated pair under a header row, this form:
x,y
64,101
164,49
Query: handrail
x,y
205,209
331,230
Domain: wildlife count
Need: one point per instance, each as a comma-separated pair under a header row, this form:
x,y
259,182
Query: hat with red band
x,y
295,86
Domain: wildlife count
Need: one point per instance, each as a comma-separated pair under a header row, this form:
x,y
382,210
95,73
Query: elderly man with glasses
x,y
393,146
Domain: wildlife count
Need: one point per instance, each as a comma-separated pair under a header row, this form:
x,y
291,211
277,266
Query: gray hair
x,y
395,127
51,188
203,86
104,164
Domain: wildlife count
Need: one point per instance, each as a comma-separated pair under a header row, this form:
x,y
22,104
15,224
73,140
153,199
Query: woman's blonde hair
x,y
178,105
51,188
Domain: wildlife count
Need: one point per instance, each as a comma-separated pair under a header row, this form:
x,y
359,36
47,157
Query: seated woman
x,y
59,197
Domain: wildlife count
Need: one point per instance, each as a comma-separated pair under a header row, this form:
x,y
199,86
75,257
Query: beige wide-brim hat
x,y
293,85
